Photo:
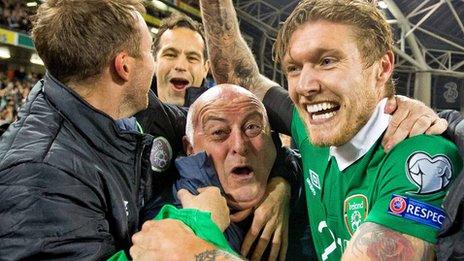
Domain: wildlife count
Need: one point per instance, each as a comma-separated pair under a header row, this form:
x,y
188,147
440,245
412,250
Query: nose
x,y
181,64
239,143
308,82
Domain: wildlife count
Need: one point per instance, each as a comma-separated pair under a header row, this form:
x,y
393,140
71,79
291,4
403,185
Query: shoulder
x,y
430,150
32,135
425,162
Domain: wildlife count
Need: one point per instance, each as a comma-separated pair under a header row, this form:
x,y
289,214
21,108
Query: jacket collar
x,y
96,126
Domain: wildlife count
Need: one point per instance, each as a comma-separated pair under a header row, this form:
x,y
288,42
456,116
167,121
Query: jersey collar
x,y
359,145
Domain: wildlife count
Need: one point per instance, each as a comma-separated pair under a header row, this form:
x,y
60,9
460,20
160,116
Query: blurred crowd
x,y
15,15
14,89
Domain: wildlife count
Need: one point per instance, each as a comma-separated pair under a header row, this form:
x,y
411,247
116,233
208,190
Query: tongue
x,y
179,84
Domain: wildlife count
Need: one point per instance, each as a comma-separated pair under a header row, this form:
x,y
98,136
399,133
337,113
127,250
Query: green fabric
x,y
119,256
200,222
367,186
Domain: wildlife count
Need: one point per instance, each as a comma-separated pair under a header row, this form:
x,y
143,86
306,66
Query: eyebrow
x,y
212,118
315,54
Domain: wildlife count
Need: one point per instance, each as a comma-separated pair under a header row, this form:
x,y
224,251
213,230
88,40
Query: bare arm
x,y
375,242
231,58
170,239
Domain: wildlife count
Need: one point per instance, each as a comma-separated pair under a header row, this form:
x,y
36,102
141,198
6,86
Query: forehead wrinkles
x,y
242,105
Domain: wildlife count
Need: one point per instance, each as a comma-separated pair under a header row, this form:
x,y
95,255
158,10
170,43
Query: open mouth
x,y
322,110
179,83
242,171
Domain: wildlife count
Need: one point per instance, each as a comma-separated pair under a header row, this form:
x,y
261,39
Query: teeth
x,y
320,107
323,116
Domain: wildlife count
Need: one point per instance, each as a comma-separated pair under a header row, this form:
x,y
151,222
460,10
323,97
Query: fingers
x,y
390,107
284,247
276,243
263,241
256,227
397,130
438,127
421,125
240,215
184,196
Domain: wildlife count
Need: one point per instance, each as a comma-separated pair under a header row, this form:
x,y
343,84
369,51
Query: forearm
x,y
231,58
375,242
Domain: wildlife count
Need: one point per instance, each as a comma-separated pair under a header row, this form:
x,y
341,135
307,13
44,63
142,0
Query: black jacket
x,y
71,182
450,244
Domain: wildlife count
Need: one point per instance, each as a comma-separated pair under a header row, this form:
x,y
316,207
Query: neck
x,y
102,95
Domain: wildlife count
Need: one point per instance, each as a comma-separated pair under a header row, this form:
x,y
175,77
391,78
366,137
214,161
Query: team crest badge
x,y
160,154
355,210
429,174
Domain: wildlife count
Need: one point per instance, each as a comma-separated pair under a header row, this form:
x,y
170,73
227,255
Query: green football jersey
x,y
402,190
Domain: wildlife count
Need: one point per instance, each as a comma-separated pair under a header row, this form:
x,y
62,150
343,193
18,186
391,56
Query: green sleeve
x,y
298,129
119,256
201,224
431,156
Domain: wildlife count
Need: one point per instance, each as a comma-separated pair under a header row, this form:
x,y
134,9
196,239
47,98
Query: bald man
x,y
229,145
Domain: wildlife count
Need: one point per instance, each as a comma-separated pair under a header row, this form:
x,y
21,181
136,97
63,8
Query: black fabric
x,y
279,108
191,94
71,182
450,244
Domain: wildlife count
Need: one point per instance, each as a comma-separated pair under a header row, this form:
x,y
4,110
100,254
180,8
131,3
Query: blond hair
x,y
373,34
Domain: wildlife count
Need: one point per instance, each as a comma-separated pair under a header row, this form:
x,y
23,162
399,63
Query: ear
x,y
122,65
385,70
188,148
206,67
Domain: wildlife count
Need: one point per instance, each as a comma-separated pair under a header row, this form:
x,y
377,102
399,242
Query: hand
x,y
210,200
272,214
410,118
166,239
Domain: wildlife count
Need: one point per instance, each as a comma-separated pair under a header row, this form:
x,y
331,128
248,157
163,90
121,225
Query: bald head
x,y
222,93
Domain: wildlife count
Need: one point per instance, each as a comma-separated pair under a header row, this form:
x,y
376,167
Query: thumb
x,y
184,196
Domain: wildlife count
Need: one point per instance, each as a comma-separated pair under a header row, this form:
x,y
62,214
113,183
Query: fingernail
x,y
388,146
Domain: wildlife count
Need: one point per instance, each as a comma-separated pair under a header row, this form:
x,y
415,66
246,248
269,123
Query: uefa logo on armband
x,y
397,205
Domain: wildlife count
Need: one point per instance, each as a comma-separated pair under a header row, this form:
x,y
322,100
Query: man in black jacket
x,y
74,168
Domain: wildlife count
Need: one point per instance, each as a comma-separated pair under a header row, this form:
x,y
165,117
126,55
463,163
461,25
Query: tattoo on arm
x,y
380,243
213,255
231,59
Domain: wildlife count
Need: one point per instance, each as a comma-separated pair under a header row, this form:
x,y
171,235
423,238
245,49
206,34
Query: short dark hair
x,y
176,20
77,39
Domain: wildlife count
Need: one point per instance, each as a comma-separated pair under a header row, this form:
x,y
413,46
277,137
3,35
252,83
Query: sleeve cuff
x,y
200,222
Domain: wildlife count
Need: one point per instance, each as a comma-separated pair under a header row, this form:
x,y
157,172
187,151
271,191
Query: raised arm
x,y
231,58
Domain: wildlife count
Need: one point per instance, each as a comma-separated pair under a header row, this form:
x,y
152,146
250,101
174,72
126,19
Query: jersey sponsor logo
x,y
416,210
311,187
314,179
160,154
313,182
355,209
429,174
126,207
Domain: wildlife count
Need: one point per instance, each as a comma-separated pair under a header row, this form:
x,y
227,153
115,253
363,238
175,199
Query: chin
x,y
245,198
